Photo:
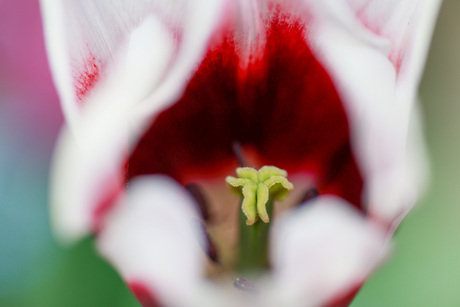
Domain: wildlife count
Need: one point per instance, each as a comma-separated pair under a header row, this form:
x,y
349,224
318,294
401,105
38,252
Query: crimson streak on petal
x,y
143,294
282,105
86,79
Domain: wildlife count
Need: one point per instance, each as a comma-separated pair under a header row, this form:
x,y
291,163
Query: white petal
x,y
150,238
91,41
323,250
374,52
82,178
138,55
89,163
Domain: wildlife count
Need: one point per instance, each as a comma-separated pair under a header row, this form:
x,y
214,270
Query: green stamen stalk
x,y
253,254
258,188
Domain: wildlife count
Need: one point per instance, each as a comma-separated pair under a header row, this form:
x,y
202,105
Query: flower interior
x,y
272,101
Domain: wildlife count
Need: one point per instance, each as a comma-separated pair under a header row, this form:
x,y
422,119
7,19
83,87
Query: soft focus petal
x,y
142,50
375,51
149,239
394,185
323,250
395,189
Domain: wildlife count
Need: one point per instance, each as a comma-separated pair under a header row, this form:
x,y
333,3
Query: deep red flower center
x,y
282,107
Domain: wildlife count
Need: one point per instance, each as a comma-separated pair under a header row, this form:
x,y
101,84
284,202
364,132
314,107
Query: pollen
x,y
257,188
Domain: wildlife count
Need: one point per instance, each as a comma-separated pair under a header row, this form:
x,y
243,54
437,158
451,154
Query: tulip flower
x,y
166,99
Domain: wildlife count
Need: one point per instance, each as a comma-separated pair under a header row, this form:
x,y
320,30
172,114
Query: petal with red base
x,y
150,237
143,294
374,52
283,106
147,51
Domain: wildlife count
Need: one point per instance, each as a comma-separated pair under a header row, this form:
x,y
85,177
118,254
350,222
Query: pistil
x,y
258,189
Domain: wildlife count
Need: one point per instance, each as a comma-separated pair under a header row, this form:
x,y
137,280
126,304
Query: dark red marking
x,y
200,200
86,78
345,300
205,241
112,190
308,196
143,294
283,106
375,25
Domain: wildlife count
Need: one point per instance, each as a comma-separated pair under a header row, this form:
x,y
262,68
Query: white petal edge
x,y
76,31
150,238
395,190
321,251
81,177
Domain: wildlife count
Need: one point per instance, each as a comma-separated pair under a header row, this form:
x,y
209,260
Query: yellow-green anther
x,y
262,199
248,173
249,199
257,188
237,182
265,172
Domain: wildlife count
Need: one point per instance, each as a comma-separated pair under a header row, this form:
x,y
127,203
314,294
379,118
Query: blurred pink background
x,y
30,118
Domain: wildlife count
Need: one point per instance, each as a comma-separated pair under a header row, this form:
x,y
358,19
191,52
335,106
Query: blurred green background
x,y
35,271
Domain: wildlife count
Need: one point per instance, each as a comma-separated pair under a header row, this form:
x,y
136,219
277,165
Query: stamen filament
x,y
253,256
